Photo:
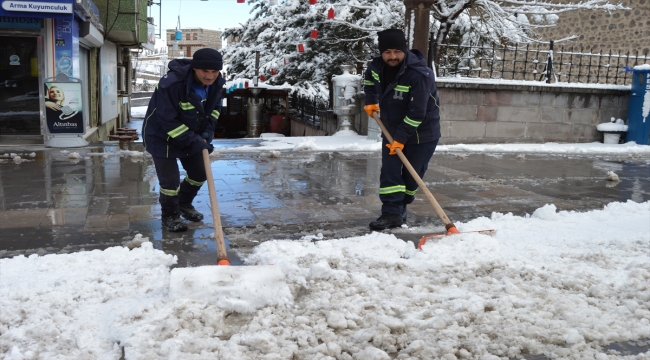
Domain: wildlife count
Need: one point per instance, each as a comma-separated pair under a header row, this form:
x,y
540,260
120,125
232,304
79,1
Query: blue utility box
x,y
638,110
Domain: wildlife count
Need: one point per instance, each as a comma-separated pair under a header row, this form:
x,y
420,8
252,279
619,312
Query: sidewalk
x,y
54,201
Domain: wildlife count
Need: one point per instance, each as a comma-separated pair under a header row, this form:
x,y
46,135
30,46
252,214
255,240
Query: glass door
x,y
19,87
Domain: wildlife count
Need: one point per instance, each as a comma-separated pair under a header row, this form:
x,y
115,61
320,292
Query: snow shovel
x,y
239,288
449,226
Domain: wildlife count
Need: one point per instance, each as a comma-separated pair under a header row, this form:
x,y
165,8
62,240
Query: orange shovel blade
x,y
433,237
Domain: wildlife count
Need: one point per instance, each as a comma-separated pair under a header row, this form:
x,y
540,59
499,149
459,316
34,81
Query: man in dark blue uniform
x,y
178,125
400,84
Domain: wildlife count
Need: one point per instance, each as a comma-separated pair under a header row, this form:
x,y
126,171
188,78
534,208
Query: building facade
x,y
192,39
39,41
63,73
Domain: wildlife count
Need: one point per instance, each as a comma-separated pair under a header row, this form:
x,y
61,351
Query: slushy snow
x,y
563,284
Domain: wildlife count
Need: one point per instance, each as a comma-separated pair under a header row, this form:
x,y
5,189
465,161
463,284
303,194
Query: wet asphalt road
x,y
55,202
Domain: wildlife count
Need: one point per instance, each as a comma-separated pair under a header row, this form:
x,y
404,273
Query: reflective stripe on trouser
x,y
169,178
395,176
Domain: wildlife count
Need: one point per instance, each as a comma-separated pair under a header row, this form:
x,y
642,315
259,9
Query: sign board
x,y
63,108
20,22
61,9
64,47
108,82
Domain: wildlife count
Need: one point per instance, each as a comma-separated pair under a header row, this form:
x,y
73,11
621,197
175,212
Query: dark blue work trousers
x,y
396,185
173,193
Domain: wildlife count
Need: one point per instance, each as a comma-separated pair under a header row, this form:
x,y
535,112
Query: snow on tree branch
x,y
276,31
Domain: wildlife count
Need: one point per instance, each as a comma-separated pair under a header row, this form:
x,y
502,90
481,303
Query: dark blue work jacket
x,y
409,106
176,114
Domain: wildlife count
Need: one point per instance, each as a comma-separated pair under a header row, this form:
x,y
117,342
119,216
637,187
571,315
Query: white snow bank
x,y
629,148
562,283
611,127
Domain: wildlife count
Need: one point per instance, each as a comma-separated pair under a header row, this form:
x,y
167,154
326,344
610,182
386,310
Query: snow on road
x,y
563,284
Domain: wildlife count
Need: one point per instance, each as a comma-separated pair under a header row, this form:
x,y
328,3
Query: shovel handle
x,y
222,254
414,174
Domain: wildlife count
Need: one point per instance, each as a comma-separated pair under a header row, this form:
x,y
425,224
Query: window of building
x,y
187,36
171,36
196,36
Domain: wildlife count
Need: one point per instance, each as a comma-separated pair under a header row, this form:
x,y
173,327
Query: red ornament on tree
x,y
273,72
287,60
314,34
241,1
262,77
301,48
313,2
330,13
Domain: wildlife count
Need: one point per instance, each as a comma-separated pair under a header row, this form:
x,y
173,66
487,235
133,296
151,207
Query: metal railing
x,y
539,62
310,111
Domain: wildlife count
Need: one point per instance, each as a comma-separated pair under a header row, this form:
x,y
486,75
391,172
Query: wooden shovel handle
x,y
407,164
222,254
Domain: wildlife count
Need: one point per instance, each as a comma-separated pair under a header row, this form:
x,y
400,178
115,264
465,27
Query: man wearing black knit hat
x,y
178,125
400,84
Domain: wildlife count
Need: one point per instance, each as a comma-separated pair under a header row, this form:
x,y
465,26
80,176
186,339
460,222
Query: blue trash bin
x,y
638,110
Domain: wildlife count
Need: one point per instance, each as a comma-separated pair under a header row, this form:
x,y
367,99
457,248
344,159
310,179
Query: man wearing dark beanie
x,y
178,125
400,84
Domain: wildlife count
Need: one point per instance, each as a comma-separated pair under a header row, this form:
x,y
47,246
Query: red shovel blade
x,y
433,237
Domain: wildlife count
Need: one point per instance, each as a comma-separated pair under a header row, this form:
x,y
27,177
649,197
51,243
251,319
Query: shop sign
x,y
38,9
20,22
63,56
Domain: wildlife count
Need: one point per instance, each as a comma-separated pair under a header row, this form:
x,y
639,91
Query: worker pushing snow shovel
x,y
240,288
179,125
399,82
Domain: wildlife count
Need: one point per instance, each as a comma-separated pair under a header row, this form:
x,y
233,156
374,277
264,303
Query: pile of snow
x,y
563,284
615,125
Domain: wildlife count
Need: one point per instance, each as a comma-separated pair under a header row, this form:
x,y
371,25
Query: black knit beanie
x,y
207,59
392,39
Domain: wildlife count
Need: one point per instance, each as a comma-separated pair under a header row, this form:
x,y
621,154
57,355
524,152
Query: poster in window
x,y
64,107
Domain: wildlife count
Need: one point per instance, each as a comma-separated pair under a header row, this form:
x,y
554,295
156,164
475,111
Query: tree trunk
x,y
417,24
440,38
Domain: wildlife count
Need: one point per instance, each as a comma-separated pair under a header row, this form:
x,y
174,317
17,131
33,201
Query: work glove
x,y
370,108
208,139
394,146
207,136
198,144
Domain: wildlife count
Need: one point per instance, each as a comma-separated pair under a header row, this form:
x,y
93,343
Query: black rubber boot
x,y
173,223
404,214
190,213
387,221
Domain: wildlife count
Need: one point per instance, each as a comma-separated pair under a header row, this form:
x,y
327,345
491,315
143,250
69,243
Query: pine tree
x,y
276,30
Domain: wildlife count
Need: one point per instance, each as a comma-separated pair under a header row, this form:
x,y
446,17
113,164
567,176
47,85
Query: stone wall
x,y
621,31
511,112
520,113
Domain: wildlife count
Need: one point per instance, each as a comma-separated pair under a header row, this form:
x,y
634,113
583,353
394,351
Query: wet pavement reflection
x,y
57,201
